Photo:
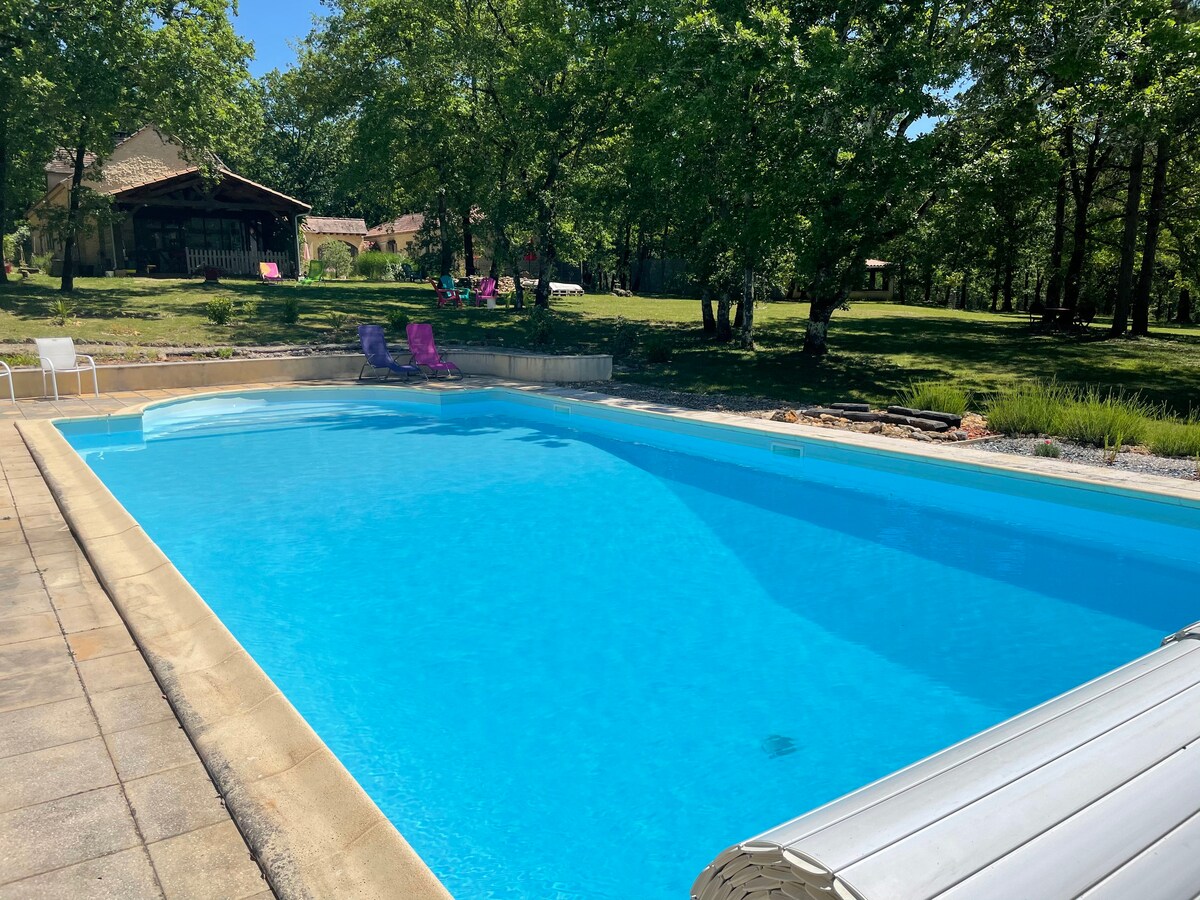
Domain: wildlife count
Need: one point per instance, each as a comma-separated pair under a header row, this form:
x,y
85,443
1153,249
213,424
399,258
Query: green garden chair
x,y
316,272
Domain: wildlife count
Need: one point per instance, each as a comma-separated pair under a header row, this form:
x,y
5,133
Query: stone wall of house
x,y
313,240
144,157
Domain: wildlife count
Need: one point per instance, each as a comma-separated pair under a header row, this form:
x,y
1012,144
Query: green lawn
x,y
877,349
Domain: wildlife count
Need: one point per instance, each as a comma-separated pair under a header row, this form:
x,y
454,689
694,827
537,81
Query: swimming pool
x,y
549,640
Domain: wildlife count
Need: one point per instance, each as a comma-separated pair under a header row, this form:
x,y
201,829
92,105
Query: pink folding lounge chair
x,y
269,272
425,352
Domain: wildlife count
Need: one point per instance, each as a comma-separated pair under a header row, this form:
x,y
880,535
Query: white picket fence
x,y
238,262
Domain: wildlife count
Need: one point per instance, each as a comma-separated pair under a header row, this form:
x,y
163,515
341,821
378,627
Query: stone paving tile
x,y
88,617
110,673
16,629
100,642
57,772
97,821
47,725
175,802
24,604
36,688
131,707
32,656
183,864
125,875
150,749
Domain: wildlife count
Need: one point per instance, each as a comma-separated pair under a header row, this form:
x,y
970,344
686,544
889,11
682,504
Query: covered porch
x,y
180,225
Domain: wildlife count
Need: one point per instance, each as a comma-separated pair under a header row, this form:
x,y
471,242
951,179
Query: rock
x,y
947,418
877,428
785,415
961,435
852,415
853,407
914,422
920,436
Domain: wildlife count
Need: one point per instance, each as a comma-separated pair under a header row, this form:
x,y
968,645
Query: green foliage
x,y
248,310
339,261
659,349
337,322
624,339
224,353
540,327
20,359
289,311
62,310
1026,407
938,396
219,310
1168,437
397,321
1047,448
1103,419
42,262
376,266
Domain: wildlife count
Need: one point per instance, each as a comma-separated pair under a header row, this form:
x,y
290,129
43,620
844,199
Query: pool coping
x,y
314,829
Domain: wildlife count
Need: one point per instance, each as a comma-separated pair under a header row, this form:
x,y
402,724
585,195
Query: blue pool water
x,y
573,657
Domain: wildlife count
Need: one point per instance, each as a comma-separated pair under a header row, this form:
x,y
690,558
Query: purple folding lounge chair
x,y
374,347
425,352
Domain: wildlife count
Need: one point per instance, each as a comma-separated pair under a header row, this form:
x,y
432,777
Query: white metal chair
x,y
6,372
58,357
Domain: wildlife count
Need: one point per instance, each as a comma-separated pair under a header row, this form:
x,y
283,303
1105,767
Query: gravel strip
x,y
1128,460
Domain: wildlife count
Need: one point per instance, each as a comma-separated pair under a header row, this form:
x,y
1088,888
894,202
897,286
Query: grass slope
x,y
878,349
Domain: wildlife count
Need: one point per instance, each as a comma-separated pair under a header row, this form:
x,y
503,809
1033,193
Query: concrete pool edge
x,y
314,830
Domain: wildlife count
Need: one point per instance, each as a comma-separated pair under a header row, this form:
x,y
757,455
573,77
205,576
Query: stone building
x,y
171,217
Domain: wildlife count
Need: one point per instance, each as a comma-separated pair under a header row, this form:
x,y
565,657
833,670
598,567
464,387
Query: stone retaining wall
x,y
512,364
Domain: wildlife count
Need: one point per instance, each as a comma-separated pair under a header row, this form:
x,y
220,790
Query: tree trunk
x,y
927,284
1158,193
739,313
706,311
828,293
1183,314
1054,288
996,287
623,256
68,263
518,290
1007,294
446,251
3,188
1133,203
902,284
747,305
963,287
724,331
643,253
468,244
1082,187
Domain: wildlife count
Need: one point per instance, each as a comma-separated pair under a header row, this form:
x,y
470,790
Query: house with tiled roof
x,y
318,230
397,236
172,217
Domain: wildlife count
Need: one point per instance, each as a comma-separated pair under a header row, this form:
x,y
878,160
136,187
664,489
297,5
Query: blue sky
x,y
273,25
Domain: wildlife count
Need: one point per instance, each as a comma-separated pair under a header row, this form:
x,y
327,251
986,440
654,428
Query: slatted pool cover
x,y
1093,794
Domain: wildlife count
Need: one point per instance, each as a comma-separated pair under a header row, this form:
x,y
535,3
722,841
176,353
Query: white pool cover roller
x,y
1095,793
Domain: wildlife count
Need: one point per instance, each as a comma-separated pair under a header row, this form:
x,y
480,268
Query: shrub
x,y
249,310
1111,419
20,359
377,266
219,310
337,321
658,349
1173,438
541,327
939,396
43,262
289,312
338,259
225,353
397,320
1047,448
1026,407
625,339
62,310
